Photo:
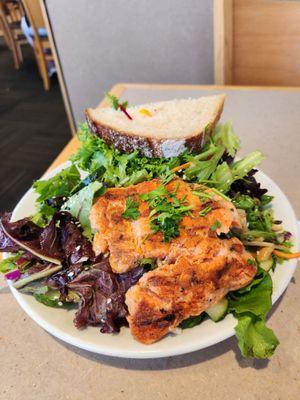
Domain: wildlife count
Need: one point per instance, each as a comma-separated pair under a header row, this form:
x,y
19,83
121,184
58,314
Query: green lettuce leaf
x,y
223,134
224,175
204,164
256,301
250,306
118,169
59,185
8,264
79,205
255,339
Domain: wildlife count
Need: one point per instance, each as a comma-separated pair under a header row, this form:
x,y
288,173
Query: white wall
x,y
103,42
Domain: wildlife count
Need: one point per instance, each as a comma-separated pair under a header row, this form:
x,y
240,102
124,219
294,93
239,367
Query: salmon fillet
x,y
129,241
173,292
196,269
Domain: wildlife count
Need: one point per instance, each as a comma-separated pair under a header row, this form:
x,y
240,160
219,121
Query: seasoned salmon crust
x,y
128,240
196,268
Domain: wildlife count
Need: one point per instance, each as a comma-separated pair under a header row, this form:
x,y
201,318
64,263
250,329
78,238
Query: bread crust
x,y
151,147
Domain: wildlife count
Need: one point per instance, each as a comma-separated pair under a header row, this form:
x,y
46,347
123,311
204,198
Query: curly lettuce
x,y
250,306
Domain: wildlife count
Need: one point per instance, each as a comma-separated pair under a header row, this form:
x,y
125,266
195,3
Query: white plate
x,y
59,322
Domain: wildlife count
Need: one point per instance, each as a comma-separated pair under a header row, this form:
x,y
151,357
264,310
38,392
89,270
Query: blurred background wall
x,y
103,42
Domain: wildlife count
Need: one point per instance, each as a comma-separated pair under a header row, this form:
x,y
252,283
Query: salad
x,y
50,255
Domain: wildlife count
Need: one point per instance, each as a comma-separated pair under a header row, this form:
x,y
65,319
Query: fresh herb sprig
x,y
166,211
114,101
131,210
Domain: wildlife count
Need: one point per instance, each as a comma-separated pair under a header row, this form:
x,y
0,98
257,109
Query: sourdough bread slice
x,y
163,129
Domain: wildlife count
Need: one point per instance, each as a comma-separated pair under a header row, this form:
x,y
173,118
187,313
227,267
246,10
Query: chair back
x,y
5,21
259,42
34,13
12,9
100,43
41,45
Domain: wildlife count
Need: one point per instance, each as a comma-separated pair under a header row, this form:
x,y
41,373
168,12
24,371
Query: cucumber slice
x,y
268,264
218,311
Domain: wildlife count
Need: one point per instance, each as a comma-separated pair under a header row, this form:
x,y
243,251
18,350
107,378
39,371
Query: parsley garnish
x,y
250,261
205,211
215,225
166,211
131,210
204,196
114,101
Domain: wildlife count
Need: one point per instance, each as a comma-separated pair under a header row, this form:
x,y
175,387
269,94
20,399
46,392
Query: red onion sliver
x,y
13,275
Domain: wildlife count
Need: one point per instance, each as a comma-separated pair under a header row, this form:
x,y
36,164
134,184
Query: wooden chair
x,y
10,16
41,45
14,9
257,42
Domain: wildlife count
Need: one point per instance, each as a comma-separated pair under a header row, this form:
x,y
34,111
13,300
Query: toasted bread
x,y
163,129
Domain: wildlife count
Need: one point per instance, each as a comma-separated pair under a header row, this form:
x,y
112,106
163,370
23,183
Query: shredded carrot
x,y
281,254
183,166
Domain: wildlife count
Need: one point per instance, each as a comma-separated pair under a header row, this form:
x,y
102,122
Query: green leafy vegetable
x,y
224,175
8,264
153,197
131,210
260,218
224,135
44,214
166,211
59,185
36,287
205,211
265,199
116,169
114,101
204,164
51,298
250,306
244,202
255,339
215,225
79,205
257,300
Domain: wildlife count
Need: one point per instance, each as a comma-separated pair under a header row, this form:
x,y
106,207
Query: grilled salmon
x,y
196,268
173,292
128,240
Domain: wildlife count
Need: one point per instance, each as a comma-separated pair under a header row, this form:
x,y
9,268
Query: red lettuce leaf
x,y
62,239
102,294
248,185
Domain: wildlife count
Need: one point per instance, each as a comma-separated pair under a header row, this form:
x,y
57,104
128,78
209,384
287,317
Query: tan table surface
x,y
35,365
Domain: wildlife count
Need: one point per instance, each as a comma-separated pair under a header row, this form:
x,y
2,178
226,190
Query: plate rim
x,y
147,353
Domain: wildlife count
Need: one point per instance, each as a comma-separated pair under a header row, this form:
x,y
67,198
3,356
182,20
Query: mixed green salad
x,y
51,255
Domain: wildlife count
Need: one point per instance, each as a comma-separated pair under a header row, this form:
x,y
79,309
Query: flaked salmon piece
x,y
129,241
163,298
